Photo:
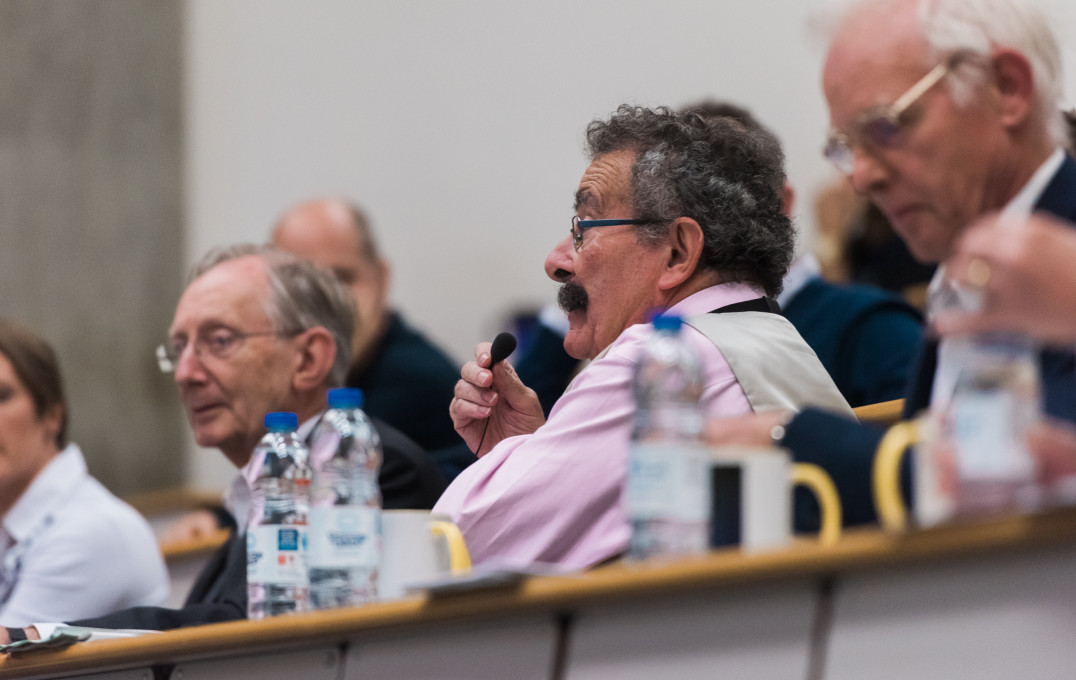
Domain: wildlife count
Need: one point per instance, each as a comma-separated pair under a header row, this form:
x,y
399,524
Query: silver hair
x,y
976,27
304,296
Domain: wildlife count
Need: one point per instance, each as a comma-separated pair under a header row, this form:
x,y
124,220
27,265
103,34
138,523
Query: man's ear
x,y
314,359
1015,85
788,200
684,248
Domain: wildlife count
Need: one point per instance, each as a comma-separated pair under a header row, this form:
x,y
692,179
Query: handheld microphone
x,y
503,345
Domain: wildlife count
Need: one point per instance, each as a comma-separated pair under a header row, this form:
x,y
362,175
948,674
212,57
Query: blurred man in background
x,y
406,379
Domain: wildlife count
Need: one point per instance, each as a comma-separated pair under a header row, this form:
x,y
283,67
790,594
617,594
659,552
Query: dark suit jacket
x,y
866,338
845,449
409,382
409,479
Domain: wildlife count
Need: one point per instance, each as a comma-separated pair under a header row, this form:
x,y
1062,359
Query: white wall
x,y
459,124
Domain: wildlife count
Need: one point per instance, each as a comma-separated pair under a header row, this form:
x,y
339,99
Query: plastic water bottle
x,y
668,491
984,415
997,397
277,581
345,532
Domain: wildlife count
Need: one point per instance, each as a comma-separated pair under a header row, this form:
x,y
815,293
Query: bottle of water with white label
x,y
345,531
277,581
668,490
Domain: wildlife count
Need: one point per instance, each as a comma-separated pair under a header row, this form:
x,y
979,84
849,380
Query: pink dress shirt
x,y
554,496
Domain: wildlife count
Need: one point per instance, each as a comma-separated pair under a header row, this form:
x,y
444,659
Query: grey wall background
x,y
91,216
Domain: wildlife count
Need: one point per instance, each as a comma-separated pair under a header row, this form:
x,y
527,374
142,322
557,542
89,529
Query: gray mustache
x,y
572,297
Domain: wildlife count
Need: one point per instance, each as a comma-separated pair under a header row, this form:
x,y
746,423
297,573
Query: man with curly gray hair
x,y
675,214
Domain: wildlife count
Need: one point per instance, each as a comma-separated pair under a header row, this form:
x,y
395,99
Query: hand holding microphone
x,y
491,399
503,345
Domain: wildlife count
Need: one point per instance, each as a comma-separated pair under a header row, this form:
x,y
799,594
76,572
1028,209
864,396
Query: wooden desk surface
x,y
862,550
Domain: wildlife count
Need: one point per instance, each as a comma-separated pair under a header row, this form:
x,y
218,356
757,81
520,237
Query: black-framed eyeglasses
x,y
880,129
579,226
219,342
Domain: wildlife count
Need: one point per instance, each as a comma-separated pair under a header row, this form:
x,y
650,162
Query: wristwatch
x,y
777,432
16,634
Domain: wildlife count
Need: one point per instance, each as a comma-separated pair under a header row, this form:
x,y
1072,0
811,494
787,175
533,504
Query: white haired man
x,y
942,112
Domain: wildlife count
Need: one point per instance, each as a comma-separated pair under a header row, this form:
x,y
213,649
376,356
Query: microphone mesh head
x,y
503,345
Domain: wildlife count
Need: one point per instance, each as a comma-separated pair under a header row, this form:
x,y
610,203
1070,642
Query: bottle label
x,y
276,553
345,536
668,481
988,437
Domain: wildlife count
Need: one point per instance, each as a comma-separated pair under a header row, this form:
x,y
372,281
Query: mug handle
x,y
459,559
815,478
886,474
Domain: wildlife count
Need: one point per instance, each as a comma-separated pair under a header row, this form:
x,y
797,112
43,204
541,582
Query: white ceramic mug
x,y
416,547
752,497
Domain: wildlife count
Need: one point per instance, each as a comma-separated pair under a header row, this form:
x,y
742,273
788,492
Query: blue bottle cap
x,y
281,421
667,322
345,397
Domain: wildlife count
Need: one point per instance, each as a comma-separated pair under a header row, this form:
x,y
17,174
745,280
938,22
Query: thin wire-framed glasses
x,y
220,343
579,226
881,128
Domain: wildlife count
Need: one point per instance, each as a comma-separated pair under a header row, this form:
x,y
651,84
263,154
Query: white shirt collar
x,y
48,490
1024,201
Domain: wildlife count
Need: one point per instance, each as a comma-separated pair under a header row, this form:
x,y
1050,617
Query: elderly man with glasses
x,y
256,331
674,214
945,113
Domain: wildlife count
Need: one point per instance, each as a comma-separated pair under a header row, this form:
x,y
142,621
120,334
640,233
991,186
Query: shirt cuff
x,y
45,630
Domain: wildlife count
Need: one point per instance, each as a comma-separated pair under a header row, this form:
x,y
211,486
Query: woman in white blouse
x,y
68,548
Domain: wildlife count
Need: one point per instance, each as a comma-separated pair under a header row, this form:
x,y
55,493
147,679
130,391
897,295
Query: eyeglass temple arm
x,y
928,81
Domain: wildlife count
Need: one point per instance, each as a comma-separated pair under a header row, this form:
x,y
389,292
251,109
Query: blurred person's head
x,y
710,109
941,110
335,234
257,330
703,204
33,410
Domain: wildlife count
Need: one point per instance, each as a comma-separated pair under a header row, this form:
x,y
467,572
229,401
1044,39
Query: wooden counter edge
x,y
884,413
173,551
172,500
858,550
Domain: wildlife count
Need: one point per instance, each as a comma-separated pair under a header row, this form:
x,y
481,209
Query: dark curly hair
x,y
715,171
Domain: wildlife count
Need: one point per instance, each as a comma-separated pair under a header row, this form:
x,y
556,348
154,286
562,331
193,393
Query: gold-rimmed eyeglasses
x,y
881,128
